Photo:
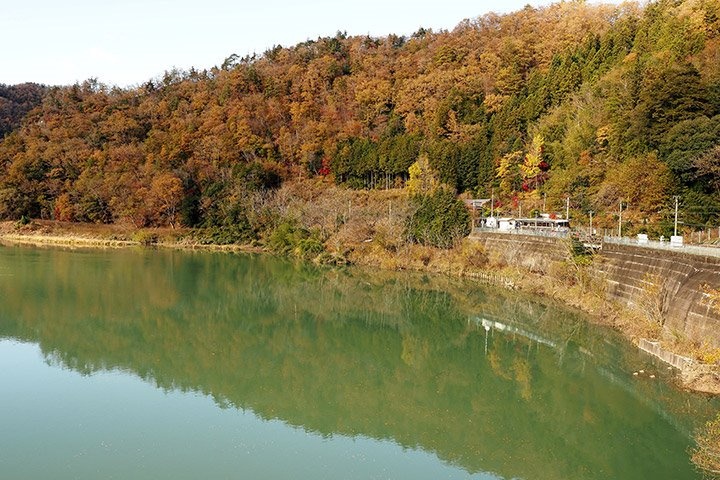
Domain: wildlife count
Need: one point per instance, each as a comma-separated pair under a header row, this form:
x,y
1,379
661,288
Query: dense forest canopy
x,y
15,102
607,105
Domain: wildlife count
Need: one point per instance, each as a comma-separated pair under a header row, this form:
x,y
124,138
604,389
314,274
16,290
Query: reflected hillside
x,y
400,357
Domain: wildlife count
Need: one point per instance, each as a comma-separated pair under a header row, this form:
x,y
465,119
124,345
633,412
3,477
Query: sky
x,y
128,42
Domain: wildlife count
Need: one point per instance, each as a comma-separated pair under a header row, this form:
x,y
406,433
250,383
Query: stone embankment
x,y
670,286
673,284
533,253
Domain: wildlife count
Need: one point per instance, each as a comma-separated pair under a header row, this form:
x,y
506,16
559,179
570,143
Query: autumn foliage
x,y
593,102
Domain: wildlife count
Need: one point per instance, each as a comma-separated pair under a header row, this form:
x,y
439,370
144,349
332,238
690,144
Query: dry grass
x,y
65,229
82,235
44,232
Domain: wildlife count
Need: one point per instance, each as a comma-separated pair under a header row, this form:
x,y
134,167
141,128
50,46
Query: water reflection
x,y
404,358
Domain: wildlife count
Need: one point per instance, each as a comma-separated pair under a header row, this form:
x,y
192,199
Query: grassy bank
x,y
81,235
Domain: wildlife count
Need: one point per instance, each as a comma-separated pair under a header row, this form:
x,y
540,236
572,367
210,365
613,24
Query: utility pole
x,y
544,199
492,201
567,208
591,214
677,199
620,221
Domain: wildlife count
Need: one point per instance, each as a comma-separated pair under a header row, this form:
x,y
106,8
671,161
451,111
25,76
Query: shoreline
x,y
82,242
106,238
64,241
697,376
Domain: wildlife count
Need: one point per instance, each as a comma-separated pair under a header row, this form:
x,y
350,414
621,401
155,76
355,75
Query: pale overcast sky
x,y
127,42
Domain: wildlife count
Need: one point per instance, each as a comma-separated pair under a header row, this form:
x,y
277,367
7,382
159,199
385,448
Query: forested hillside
x,y
601,104
15,102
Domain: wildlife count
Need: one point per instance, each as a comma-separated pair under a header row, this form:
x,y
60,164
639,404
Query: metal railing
x,y
685,248
692,249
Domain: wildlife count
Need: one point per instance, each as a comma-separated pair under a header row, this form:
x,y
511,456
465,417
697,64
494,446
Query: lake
x,y
168,364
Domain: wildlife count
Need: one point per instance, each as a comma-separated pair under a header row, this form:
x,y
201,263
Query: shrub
x,y
474,255
288,238
441,220
581,255
238,234
145,237
233,227
707,453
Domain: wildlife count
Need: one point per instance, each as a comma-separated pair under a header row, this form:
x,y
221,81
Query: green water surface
x,y
164,364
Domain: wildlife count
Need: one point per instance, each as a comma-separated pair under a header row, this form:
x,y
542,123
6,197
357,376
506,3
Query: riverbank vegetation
x,y
707,453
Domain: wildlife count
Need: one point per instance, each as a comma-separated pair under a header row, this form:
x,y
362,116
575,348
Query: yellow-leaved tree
x,y
532,167
509,172
423,179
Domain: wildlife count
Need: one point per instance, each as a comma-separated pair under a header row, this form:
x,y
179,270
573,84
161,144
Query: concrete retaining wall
x,y
532,252
653,348
677,281
670,284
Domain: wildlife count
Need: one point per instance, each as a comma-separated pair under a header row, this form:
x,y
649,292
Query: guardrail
x,y
691,249
703,250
